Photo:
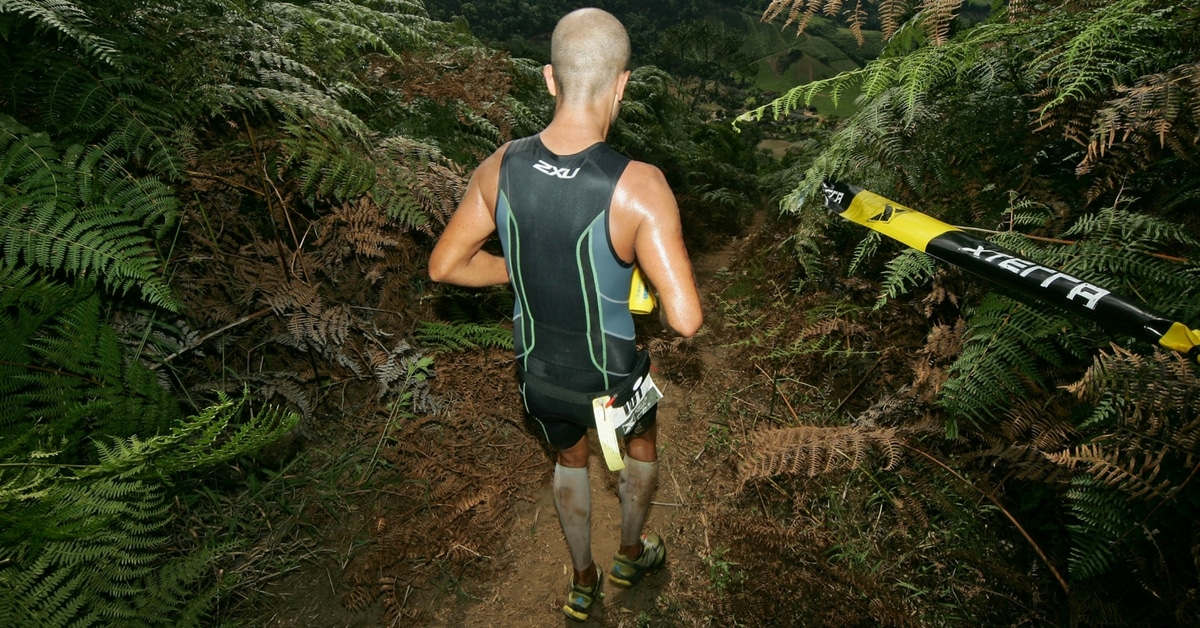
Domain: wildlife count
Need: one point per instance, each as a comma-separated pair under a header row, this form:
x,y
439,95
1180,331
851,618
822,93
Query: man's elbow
x,y
438,270
688,325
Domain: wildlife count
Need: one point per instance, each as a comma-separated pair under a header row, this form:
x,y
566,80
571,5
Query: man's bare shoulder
x,y
640,172
641,180
486,177
493,161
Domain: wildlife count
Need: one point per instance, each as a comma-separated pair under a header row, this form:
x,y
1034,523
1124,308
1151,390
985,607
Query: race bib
x,y
614,420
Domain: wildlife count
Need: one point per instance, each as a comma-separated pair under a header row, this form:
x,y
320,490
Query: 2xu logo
x,y
562,173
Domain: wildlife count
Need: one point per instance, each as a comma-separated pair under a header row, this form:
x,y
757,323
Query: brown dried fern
x,y
936,15
1043,424
811,451
364,226
799,12
1154,404
939,15
1128,473
1159,112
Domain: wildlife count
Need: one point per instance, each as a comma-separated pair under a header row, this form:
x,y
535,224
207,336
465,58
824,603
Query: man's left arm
x,y
458,257
658,245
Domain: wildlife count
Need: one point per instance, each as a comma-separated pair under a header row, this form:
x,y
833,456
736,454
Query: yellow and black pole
x,y
1008,269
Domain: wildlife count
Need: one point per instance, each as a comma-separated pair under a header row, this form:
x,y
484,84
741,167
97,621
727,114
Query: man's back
x,y
571,320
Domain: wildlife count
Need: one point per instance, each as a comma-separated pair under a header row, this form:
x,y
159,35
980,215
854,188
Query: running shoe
x,y
580,598
627,572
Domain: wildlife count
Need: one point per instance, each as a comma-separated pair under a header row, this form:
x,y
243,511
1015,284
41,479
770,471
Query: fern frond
x,y
355,26
212,437
84,543
462,336
1154,398
803,95
1109,45
364,226
1129,230
108,184
1158,112
908,270
864,250
810,451
69,21
330,164
60,217
936,16
1004,345
69,374
1101,518
417,182
286,384
127,115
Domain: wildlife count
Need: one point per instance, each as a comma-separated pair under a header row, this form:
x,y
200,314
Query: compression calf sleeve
x,y
638,480
573,500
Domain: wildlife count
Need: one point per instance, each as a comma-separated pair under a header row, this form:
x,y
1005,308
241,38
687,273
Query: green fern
x,y
78,213
65,374
88,545
66,19
1110,45
462,336
864,250
1102,516
125,115
1063,56
339,26
909,269
329,164
1004,350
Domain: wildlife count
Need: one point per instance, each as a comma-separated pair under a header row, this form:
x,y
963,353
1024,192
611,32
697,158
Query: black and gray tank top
x,y
571,321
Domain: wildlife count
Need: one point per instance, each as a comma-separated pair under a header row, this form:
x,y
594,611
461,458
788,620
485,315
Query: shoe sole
x,y
574,614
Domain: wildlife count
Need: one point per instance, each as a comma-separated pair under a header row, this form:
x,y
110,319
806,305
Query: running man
x,y
573,216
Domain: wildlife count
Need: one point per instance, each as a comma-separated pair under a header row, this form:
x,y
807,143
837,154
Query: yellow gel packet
x,y
641,300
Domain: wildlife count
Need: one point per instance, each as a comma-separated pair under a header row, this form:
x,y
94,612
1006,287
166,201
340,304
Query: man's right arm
x,y
658,245
458,257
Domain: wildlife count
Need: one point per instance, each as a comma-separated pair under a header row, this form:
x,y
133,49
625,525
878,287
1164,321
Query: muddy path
x,y
531,590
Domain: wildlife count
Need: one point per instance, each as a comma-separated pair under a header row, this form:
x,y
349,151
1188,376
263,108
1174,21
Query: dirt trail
x,y
532,591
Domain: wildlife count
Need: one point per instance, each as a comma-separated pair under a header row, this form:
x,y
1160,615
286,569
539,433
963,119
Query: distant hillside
x,y
783,60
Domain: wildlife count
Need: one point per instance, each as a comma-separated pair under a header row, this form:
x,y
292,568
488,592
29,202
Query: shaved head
x,y
588,50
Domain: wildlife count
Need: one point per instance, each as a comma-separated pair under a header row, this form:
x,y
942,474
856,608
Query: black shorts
x,y
564,422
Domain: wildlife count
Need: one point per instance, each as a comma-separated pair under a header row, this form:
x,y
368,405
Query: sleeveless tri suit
x,y
572,330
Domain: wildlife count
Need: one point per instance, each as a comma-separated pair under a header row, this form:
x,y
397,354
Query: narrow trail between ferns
x,y
531,591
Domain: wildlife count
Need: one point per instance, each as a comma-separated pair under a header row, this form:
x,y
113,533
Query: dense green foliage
x,y
1064,132
514,23
269,170
93,544
105,114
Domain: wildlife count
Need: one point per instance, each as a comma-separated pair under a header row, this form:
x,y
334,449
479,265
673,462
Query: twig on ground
x,y
205,337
